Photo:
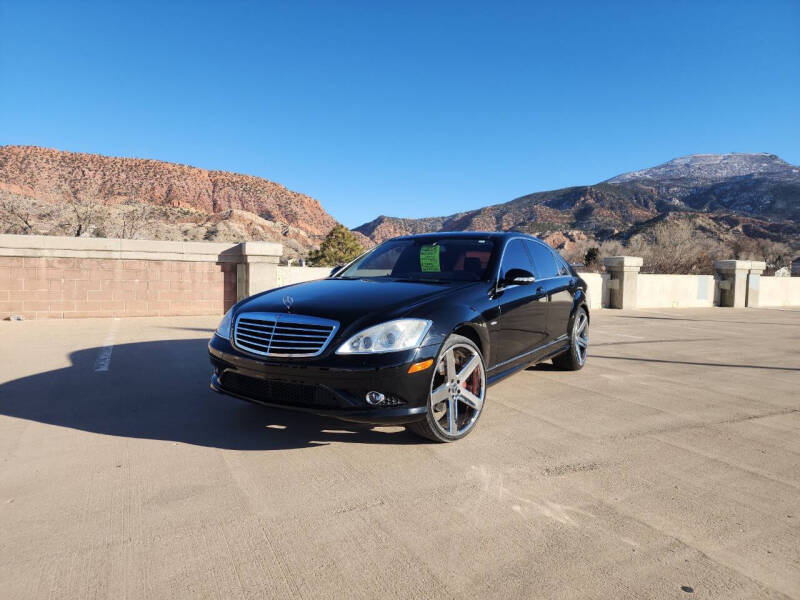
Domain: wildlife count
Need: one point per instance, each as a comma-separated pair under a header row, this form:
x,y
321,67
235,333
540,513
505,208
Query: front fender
x,y
457,318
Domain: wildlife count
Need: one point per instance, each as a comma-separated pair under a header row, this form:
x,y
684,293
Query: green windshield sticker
x,y
429,259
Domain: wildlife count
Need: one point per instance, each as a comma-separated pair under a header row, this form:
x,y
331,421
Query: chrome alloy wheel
x,y
458,388
580,336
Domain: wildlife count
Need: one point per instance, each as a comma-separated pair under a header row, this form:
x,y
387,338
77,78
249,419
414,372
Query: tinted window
x,y
543,260
515,257
561,265
442,259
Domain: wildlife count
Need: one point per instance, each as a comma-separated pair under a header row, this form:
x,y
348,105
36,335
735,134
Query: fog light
x,y
375,398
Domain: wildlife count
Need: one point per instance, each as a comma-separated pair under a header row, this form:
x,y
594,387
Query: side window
x,y
561,265
543,260
515,257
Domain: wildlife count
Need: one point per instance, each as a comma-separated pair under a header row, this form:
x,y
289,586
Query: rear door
x,y
523,309
552,273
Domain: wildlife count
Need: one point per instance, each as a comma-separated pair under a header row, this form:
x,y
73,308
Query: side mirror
x,y
518,277
335,270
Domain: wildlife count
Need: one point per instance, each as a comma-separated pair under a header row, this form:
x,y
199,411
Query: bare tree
x,y
84,213
674,247
774,254
134,217
16,212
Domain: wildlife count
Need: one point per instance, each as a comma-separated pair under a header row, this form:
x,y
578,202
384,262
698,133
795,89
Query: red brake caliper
x,y
473,382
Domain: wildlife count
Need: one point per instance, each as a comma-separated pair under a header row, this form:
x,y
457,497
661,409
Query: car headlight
x,y
402,334
224,328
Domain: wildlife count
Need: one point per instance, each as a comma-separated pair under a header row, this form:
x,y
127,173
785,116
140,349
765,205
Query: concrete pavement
x,y
669,467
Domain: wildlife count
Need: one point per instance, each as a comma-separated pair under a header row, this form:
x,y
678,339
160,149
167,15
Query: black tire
x,y
575,357
431,427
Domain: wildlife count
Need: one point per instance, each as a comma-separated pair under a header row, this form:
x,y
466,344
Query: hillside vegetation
x,y
66,193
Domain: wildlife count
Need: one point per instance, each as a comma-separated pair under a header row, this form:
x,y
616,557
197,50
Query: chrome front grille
x,y
282,334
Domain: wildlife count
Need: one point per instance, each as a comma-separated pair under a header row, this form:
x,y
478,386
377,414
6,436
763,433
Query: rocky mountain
x,y
707,168
757,195
44,191
181,202
758,185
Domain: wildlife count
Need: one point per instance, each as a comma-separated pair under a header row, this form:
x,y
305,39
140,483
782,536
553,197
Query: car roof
x,y
495,235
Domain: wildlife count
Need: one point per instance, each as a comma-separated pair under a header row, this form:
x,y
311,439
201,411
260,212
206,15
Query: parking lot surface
x,y
669,467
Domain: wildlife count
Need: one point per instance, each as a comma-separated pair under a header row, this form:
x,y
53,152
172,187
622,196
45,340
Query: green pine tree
x,y
339,247
591,256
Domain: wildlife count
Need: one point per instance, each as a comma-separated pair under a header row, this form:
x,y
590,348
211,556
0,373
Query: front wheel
x,y
457,392
574,358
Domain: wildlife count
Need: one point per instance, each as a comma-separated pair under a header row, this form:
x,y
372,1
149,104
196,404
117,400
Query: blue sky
x,y
406,109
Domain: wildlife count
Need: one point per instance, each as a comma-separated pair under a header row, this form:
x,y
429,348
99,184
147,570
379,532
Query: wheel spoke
x,y
450,362
467,369
440,394
470,399
452,416
583,342
582,325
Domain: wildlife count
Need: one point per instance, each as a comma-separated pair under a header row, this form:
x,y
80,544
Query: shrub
x,y
339,247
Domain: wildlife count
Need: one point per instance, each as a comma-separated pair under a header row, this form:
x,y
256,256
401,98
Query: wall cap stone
x,y
79,247
260,251
732,265
617,262
757,266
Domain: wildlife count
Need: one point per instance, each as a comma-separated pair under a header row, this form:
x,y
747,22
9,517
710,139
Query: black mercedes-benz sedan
x,y
411,332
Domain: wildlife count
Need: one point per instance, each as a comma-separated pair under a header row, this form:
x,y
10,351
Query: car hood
x,y
349,301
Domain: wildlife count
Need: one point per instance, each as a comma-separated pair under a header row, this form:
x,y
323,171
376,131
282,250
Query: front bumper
x,y
330,385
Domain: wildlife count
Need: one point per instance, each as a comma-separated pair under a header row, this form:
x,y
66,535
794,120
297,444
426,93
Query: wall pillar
x,y
623,280
257,268
732,276
754,282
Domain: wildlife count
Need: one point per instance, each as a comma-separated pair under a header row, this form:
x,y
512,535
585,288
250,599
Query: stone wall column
x,y
623,280
732,278
754,282
257,268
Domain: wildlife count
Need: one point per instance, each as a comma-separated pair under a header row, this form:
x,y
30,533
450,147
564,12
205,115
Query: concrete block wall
x,y
780,291
47,288
61,277
594,289
675,291
737,283
295,274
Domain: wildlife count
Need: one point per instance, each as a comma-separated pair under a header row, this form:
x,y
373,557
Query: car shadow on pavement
x,y
544,366
160,390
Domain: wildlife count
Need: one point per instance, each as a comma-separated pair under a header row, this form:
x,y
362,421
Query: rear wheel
x,y
457,392
574,358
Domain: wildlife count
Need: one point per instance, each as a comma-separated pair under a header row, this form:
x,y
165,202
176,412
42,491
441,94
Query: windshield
x,y
441,260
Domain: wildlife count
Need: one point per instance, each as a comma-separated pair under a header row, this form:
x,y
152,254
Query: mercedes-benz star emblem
x,y
287,302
